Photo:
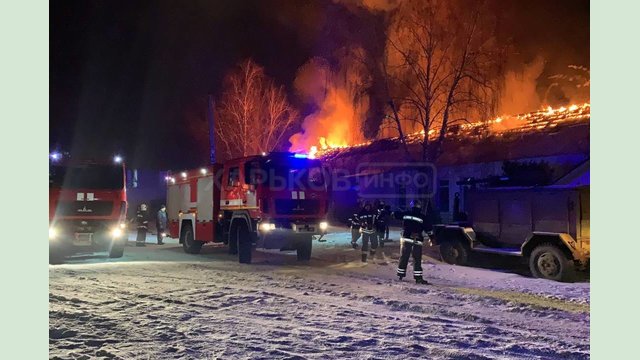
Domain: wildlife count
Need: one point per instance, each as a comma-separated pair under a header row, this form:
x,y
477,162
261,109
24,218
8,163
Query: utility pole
x,y
212,141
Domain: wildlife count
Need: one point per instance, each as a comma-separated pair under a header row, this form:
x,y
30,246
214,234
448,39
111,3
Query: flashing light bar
x,y
301,156
54,156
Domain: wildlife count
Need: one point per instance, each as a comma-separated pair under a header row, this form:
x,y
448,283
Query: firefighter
x,y
382,220
142,220
387,208
161,223
414,223
367,218
355,230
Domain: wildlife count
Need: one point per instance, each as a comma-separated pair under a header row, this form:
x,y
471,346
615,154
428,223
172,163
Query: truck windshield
x,y
106,177
296,175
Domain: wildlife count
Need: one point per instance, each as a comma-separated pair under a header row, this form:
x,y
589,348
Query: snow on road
x,y
159,303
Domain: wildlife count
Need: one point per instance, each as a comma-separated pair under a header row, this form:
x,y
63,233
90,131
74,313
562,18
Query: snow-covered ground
x,y
158,302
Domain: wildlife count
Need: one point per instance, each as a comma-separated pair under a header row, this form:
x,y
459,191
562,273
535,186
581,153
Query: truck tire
x,y
243,239
454,252
189,243
56,255
232,239
547,261
116,248
303,249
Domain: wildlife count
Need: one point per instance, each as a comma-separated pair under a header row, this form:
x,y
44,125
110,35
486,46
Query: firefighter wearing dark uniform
x,y
412,240
367,218
355,230
381,223
142,220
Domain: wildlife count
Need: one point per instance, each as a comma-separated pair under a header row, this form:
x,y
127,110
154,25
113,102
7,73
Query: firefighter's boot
x,y
421,281
354,245
364,257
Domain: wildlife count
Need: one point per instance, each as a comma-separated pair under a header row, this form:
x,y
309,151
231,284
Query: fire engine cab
x,y
275,201
87,206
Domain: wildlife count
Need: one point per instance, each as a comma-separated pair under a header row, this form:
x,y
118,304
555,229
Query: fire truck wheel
x,y
243,239
547,261
116,248
189,243
453,252
56,255
232,240
303,249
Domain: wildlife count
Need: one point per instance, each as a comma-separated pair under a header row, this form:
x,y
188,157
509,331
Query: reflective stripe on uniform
x,y
411,241
401,271
368,231
407,217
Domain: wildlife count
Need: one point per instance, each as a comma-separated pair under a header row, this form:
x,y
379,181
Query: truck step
x,y
501,251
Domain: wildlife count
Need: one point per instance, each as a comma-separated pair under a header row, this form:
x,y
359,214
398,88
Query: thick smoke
x,y
519,90
339,98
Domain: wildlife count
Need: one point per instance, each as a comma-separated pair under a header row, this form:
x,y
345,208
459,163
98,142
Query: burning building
x,y
553,141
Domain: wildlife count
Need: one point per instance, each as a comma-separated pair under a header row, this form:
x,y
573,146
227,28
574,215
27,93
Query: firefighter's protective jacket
x,y
413,223
368,220
142,218
354,221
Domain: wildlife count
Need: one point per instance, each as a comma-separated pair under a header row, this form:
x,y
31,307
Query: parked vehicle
x,y
549,226
87,207
275,201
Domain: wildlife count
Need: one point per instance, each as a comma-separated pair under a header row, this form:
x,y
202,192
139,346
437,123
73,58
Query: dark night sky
x,y
122,73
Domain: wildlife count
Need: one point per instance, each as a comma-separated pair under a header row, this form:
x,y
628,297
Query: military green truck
x,y
548,226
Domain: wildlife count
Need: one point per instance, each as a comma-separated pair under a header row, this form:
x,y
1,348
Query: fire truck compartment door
x,y
205,198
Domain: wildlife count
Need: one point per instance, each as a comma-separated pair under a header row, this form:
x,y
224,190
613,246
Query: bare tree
x,y
441,57
253,113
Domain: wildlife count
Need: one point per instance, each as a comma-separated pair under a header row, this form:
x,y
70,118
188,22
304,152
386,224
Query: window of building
x,y
443,195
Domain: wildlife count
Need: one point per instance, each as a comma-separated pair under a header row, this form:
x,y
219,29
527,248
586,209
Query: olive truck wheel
x,y
454,252
547,261
189,243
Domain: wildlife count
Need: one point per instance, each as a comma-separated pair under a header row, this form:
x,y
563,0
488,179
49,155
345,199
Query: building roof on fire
x,y
567,137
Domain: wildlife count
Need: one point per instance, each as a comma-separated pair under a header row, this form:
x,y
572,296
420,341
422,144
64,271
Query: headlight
x,y
323,225
267,226
116,232
52,233
123,225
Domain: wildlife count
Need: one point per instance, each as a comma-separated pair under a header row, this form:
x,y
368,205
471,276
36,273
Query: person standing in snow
x,y
387,208
355,230
161,223
414,223
381,223
142,220
367,218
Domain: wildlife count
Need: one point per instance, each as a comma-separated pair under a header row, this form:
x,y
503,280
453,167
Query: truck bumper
x,y
286,237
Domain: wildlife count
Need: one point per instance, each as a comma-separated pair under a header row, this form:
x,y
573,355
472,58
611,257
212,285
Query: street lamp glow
x,y
54,156
203,171
183,174
117,159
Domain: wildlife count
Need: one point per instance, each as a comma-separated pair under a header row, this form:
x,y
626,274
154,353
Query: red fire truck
x,y
87,207
275,201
